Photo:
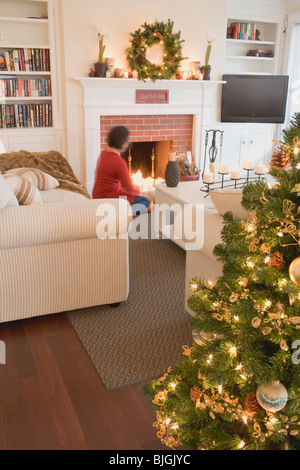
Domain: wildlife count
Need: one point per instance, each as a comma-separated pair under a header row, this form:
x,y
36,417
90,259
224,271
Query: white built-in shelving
x,y
31,25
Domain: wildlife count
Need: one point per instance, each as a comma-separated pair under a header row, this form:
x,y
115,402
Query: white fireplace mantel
x,y
117,96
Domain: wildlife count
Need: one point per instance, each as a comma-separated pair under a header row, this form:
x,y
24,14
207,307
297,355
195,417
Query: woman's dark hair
x,y
117,137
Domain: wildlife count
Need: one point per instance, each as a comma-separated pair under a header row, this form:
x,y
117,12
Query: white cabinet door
x,y
260,144
235,147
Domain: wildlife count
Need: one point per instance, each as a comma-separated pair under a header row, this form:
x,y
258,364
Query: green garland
x,y
149,35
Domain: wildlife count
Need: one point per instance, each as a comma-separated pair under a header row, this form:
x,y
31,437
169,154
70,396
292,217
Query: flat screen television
x,y
254,98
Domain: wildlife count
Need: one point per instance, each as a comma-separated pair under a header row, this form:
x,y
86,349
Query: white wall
x,y
194,18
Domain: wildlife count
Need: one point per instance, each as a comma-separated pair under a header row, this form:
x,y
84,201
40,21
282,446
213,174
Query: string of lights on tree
x,y
238,386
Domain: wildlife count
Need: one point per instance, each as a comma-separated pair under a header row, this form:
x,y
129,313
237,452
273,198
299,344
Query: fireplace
x,y
152,139
181,122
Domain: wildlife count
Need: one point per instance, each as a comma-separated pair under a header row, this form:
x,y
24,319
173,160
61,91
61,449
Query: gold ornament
x,y
294,271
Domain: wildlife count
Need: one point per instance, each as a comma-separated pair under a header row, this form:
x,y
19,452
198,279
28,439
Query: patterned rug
x,y
139,340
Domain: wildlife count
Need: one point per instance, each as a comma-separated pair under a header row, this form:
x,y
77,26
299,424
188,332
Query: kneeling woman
x,y
112,179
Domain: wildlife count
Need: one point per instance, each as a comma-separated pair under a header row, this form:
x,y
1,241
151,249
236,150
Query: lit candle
x,y
184,75
260,169
248,165
125,74
296,151
208,178
235,174
223,169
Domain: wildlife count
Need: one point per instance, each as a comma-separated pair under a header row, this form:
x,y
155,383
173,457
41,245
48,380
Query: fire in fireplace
x,y
147,163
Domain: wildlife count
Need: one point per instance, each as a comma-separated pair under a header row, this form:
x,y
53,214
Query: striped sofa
x,y
55,257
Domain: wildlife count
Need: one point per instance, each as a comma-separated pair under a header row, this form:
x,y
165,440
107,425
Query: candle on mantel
x,y
248,165
260,169
208,178
235,174
223,169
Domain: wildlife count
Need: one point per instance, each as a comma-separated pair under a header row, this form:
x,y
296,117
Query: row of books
x,y
25,60
25,115
13,87
245,31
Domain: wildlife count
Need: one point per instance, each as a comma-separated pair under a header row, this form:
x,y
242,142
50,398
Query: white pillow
x,y
25,192
7,196
60,195
229,200
39,178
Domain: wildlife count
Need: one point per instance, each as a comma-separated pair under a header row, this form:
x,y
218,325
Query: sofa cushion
x,y
25,192
60,195
38,178
7,196
229,200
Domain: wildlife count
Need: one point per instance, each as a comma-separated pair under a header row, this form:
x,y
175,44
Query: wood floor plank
x,y
110,409
21,351
63,412
9,378
126,440
19,434
69,334
138,418
95,431
3,438
41,421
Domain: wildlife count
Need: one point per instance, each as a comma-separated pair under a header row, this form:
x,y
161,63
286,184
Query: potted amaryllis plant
x,y
100,66
206,69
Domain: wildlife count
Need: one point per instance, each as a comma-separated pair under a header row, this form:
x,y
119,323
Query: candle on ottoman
x,y
208,178
235,175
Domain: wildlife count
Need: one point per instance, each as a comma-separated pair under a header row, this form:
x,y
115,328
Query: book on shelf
x,y
13,87
25,115
244,31
25,60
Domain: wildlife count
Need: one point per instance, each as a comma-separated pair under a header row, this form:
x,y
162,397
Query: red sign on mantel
x,y
152,96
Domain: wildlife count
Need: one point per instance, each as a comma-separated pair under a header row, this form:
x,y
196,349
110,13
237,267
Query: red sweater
x,y
112,178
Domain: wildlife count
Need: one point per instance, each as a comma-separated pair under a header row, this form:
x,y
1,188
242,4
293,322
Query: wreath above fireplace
x,y
148,36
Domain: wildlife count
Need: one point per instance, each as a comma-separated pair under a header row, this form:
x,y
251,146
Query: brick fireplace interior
x,y
160,134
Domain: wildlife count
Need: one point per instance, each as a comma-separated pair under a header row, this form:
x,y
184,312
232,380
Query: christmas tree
x,y
238,386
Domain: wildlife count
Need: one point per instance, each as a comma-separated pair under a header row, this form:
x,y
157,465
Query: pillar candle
x,y
235,175
223,169
248,165
260,169
208,178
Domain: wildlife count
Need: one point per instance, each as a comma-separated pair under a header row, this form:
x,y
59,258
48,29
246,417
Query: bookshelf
x,y
244,39
31,116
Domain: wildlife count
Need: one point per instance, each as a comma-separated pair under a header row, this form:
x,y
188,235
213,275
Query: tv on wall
x,y
254,98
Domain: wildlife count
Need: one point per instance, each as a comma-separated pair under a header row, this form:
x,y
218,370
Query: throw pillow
x,y
39,178
7,196
25,192
229,200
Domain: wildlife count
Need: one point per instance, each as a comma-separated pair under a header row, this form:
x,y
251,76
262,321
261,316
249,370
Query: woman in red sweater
x,y
112,179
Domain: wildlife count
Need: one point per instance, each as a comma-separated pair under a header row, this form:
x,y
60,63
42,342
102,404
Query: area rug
x,y
145,335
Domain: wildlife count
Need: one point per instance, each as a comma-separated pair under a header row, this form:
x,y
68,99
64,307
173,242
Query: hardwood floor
x,y
52,398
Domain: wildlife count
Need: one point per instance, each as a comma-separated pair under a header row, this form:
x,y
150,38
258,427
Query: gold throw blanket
x,y
51,162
